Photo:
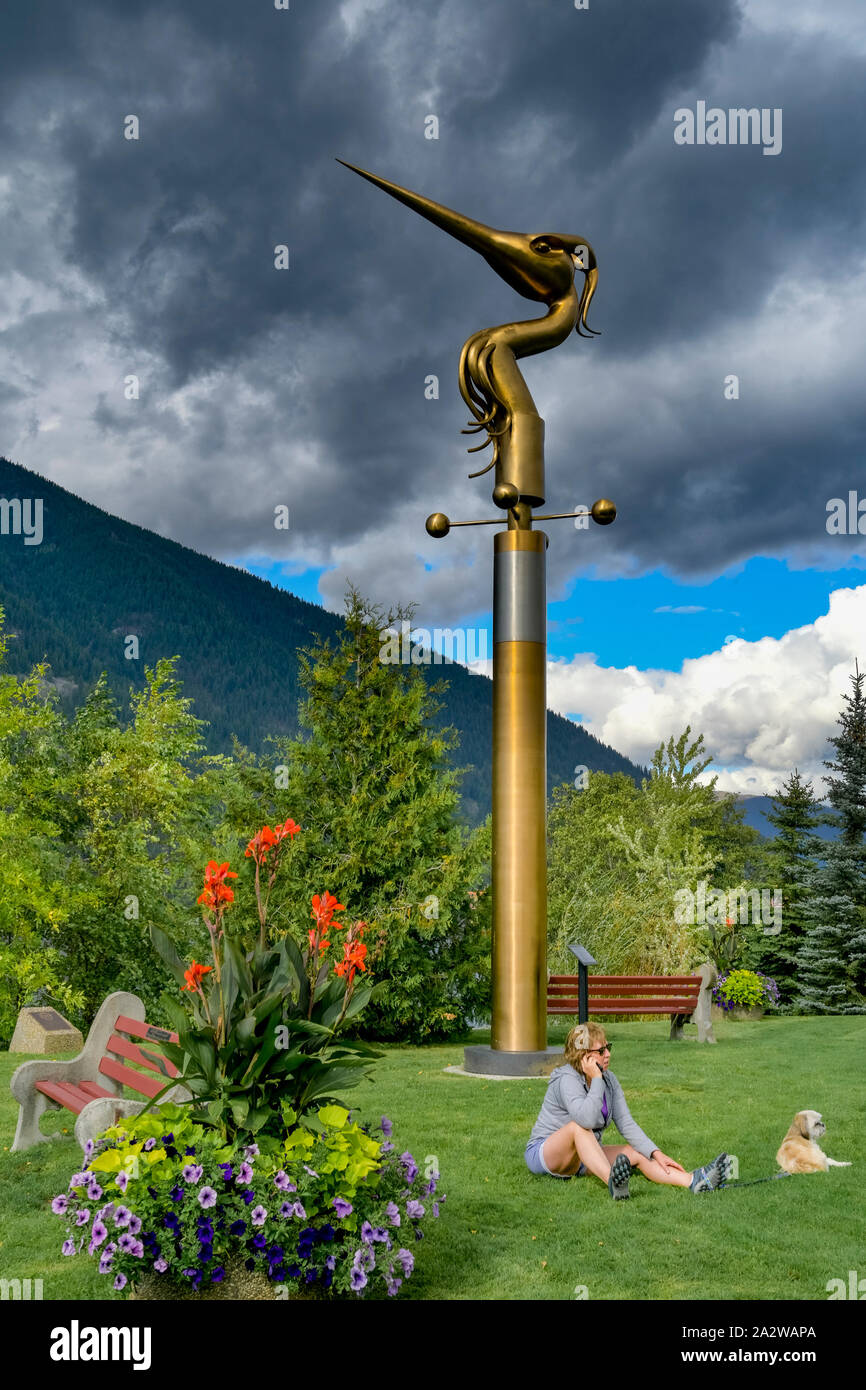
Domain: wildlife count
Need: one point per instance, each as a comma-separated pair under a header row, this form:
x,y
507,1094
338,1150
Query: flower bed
x,y
329,1206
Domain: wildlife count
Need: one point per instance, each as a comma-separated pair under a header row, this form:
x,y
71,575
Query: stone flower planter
x,y
239,1285
738,1015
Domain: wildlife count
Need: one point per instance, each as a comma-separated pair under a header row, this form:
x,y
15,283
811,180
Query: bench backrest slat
x,y
138,1028
122,1047
136,1080
637,980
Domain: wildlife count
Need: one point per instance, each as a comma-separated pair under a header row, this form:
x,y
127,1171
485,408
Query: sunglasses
x,y
599,1050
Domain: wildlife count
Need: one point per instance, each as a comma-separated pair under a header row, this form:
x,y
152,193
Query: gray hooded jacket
x,y
568,1097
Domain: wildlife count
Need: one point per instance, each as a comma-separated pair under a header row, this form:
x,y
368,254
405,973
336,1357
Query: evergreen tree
x,y
792,857
376,801
832,957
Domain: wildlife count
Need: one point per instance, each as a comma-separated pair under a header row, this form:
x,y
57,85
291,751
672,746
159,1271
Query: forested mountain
x,y
94,581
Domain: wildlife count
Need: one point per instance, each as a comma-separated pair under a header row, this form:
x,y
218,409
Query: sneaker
x,y
617,1183
711,1176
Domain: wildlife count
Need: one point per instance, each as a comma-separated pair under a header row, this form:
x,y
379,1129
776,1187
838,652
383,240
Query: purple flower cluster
x,y
186,1213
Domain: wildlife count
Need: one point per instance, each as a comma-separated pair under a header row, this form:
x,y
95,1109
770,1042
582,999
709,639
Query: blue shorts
x,y
535,1160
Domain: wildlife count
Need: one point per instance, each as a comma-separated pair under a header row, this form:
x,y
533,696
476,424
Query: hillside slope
x,y
94,580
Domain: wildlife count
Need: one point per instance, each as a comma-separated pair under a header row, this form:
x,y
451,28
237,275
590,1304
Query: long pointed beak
x,y
486,240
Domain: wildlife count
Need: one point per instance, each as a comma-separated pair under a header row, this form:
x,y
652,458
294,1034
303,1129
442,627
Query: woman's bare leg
x,y
570,1146
648,1166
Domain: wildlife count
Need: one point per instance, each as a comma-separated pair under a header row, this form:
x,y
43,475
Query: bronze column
x,y
519,865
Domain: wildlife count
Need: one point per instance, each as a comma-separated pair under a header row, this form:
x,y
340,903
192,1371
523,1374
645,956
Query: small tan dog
x,y
799,1152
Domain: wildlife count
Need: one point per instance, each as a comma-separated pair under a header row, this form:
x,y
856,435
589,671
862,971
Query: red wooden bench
x,y
676,995
90,1085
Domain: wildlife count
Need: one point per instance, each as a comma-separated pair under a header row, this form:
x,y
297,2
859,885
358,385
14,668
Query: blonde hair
x,y
583,1038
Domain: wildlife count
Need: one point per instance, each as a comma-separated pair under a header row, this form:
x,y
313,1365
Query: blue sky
x,y
656,620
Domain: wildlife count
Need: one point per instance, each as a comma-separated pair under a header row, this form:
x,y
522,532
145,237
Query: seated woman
x,y
582,1098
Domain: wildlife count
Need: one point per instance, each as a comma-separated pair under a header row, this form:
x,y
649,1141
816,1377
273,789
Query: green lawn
x,y
506,1234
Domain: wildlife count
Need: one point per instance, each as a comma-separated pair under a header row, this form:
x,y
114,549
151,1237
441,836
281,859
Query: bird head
x,y
538,266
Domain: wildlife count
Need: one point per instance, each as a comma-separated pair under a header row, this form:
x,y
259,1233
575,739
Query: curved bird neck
x,y
530,336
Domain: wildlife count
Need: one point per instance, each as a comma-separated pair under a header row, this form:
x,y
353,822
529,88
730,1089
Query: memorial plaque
x,y
50,1020
46,1033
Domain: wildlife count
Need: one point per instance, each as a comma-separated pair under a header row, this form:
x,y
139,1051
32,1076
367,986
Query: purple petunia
x,y
331,1262
386,1126
286,1210
251,1151
59,1204
258,1216
207,1197
410,1166
88,1148
148,1145
237,1228
284,1182
160,1265
122,1181
359,1279
78,1180
387,1147
414,1209
120,1282
82,1217
407,1260
106,1260
134,1224
435,1208
379,1233
217,1275
99,1232
68,1247
342,1207
245,1173
299,1212
126,1243
122,1216
192,1172
94,1191
367,1233
312,1172
392,1211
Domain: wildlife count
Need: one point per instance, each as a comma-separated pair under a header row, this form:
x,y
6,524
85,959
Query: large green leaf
x,y
297,961
167,952
344,1073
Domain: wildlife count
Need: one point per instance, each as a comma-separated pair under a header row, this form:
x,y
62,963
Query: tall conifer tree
x,y
832,957
792,856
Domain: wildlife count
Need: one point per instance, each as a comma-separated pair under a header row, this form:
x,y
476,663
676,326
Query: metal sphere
x,y
603,511
437,524
505,495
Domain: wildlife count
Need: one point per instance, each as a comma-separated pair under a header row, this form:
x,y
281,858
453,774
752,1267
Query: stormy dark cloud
x,y
154,258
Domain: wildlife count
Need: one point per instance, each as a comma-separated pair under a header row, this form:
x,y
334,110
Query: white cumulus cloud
x,y
763,707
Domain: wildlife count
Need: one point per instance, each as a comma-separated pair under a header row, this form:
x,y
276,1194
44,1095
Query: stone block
x,y
45,1033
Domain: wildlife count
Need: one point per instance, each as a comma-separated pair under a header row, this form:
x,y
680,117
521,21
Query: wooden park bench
x,y
91,1084
684,998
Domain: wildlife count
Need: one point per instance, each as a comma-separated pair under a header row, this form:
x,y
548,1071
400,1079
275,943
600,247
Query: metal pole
x,y
519,867
582,994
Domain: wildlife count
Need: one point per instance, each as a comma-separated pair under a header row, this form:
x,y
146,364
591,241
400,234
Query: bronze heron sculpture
x,y
540,267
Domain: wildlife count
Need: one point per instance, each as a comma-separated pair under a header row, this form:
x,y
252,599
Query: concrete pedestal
x,y
483,1060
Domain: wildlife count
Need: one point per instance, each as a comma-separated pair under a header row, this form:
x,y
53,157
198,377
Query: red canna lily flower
x,y
217,873
194,974
289,828
260,844
324,909
353,959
